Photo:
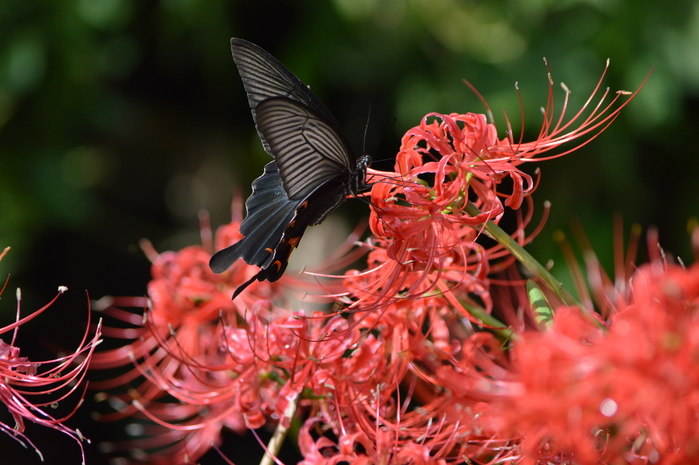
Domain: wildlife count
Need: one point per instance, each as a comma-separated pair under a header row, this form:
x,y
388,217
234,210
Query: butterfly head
x,y
358,179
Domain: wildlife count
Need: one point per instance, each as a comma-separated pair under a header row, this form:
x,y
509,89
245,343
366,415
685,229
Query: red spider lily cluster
x,y
425,358
431,226
28,388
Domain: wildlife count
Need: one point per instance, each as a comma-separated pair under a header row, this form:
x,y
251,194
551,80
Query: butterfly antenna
x,y
366,128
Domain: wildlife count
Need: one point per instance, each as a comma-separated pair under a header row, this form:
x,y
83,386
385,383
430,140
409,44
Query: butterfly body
x,y
313,172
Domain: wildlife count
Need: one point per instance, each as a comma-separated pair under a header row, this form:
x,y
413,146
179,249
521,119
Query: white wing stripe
x,y
301,141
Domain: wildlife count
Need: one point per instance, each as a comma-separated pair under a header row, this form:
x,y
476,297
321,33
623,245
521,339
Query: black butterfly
x,y
313,171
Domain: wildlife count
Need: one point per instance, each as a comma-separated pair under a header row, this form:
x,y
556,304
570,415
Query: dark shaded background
x,y
120,119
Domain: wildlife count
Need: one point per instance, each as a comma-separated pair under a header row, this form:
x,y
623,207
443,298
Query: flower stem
x,y
501,330
275,444
530,263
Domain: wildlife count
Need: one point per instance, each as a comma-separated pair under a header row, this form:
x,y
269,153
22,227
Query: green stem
x,y
529,262
501,330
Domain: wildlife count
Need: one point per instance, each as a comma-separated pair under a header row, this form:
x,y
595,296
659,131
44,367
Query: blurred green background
x,y
121,119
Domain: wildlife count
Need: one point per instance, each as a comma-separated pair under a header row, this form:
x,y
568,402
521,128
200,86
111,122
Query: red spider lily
x,y
579,394
27,387
176,351
200,362
423,212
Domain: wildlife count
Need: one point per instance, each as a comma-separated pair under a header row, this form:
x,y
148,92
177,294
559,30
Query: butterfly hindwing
x,y
268,212
307,212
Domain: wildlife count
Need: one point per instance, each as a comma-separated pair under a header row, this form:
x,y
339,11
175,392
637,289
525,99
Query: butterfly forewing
x,y
301,140
265,77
